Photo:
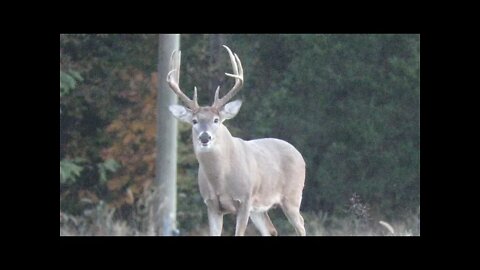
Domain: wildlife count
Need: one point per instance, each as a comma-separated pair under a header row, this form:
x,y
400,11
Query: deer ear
x,y
230,109
181,113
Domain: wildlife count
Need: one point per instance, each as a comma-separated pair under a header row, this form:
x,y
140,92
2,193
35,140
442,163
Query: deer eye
x,y
194,121
215,120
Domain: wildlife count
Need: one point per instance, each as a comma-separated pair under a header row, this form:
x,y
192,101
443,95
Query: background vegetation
x,y
349,103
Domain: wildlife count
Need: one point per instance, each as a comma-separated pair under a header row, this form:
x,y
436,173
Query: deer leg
x,y
292,212
243,214
270,226
215,218
263,224
215,222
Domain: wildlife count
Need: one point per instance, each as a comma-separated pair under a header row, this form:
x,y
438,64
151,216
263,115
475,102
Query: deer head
x,y
205,120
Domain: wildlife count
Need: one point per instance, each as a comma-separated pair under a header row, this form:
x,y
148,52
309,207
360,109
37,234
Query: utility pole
x,y
166,158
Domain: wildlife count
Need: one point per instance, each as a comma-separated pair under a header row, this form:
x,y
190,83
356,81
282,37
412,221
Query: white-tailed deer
x,y
245,178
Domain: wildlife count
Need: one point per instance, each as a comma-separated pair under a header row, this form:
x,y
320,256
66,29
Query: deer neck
x,y
216,163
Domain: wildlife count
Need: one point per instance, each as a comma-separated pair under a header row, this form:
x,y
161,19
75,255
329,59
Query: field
x,y
101,221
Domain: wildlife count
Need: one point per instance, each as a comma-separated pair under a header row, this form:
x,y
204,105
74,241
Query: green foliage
x,y
110,165
68,81
70,170
114,69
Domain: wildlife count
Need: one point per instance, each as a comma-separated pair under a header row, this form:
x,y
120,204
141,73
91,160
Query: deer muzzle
x,y
205,138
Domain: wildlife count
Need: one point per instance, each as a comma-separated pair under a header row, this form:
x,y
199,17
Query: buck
x,y
235,176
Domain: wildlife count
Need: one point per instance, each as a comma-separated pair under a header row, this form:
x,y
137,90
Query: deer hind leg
x,y
263,224
271,228
292,211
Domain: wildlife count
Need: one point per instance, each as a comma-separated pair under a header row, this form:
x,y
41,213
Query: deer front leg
x,y
243,214
215,219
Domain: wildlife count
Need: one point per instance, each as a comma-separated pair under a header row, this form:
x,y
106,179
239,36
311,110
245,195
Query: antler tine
x,y
195,100
173,82
238,75
215,101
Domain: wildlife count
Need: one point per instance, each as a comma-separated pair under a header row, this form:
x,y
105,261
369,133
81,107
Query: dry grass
x,y
99,220
322,225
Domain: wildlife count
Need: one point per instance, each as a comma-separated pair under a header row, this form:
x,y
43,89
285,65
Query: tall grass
x,y
100,220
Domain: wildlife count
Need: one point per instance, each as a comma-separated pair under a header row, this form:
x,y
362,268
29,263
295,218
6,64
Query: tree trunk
x,y
166,162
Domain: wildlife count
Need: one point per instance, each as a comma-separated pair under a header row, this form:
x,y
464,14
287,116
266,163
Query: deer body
x,y
245,178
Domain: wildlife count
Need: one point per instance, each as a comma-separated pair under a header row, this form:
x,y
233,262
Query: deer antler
x,y
238,75
173,78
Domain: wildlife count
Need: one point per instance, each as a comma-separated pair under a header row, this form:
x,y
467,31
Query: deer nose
x,y
204,137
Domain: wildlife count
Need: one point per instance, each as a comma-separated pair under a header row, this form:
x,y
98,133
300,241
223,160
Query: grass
x,y
316,224
100,220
